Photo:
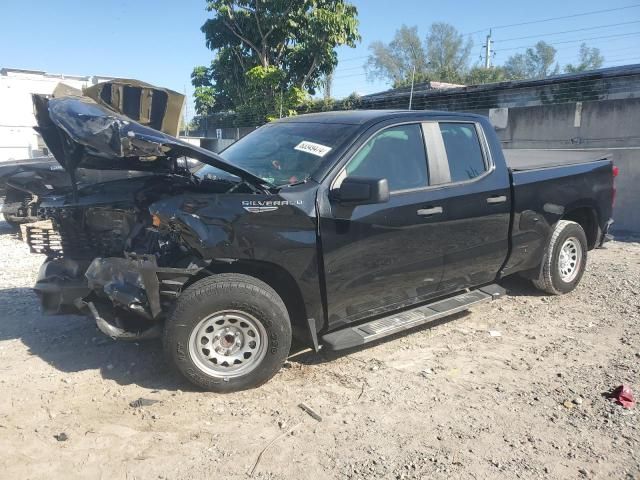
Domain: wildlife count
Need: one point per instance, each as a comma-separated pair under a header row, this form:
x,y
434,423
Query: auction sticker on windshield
x,y
313,148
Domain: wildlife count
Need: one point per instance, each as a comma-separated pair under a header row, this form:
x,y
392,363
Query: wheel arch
x,y
583,214
587,218
277,278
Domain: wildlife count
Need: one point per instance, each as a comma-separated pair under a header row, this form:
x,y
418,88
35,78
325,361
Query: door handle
x,y
425,212
497,199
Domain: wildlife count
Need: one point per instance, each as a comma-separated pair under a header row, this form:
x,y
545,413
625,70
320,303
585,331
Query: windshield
x,y
282,153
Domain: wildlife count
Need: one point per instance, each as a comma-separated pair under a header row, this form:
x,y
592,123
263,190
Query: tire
x,y
244,323
565,259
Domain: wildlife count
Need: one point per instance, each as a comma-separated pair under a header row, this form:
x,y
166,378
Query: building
x,y
418,87
18,140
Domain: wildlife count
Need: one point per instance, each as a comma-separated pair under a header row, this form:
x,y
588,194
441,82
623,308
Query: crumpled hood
x,y
83,133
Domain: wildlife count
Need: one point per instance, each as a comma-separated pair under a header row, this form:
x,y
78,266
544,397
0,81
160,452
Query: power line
x,y
636,5
630,47
351,75
340,70
610,60
606,52
354,58
567,31
574,41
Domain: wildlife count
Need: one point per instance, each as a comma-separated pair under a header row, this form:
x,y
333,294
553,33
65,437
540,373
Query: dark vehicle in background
x,y
18,205
336,228
24,182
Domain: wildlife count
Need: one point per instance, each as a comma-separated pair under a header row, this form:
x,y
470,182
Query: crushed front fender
x,y
137,284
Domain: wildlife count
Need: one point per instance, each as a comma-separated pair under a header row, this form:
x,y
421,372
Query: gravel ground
x,y
448,400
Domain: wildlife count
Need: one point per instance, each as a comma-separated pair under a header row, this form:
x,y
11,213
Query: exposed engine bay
x,y
106,257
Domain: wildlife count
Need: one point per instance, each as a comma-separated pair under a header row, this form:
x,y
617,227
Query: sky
x,y
160,41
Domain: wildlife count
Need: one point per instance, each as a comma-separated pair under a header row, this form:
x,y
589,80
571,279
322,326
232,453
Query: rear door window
x,y
464,152
397,154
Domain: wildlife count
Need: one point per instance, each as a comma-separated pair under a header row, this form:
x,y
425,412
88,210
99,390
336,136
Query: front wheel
x,y
565,260
228,332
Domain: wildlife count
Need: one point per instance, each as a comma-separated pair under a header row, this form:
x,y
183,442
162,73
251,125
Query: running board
x,y
383,327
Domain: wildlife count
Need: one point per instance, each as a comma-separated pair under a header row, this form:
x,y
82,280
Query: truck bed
x,y
530,159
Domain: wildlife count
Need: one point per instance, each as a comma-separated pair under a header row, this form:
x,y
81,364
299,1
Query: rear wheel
x,y
228,332
565,260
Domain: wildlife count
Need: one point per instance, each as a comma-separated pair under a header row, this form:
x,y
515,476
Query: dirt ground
x,y
445,401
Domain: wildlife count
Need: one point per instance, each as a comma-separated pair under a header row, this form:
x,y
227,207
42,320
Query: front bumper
x,y
136,285
60,285
127,297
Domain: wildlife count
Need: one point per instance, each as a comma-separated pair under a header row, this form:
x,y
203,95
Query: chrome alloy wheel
x,y
228,344
570,259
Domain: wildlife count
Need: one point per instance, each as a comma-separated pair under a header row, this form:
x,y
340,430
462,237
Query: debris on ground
x,y
282,435
623,395
495,333
61,437
142,402
311,412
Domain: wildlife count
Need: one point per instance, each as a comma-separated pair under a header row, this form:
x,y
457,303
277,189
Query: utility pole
x,y
185,117
487,52
413,76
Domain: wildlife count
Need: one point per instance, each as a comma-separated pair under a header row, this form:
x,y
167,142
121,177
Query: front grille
x,y
43,238
80,234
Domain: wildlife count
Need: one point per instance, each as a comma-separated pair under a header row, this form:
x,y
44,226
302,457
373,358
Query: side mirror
x,y
363,191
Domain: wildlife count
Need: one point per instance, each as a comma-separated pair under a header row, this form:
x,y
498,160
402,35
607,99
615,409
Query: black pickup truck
x,y
334,228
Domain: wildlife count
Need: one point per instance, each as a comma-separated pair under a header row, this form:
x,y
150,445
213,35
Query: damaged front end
x,y
107,256
113,264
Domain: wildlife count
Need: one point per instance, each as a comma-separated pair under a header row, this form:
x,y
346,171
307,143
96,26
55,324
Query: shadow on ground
x,y
71,343
517,286
6,229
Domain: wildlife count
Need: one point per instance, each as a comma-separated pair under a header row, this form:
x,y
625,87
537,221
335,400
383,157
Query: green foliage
x,y
447,53
481,75
291,41
590,59
443,56
537,62
266,98
396,60
204,99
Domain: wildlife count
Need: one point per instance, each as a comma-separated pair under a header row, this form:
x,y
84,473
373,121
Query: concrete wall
x,y
606,125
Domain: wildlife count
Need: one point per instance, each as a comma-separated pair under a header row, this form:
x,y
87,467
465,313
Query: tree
x,y
447,53
270,50
395,62
480,75
590,59
442,56
536,62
